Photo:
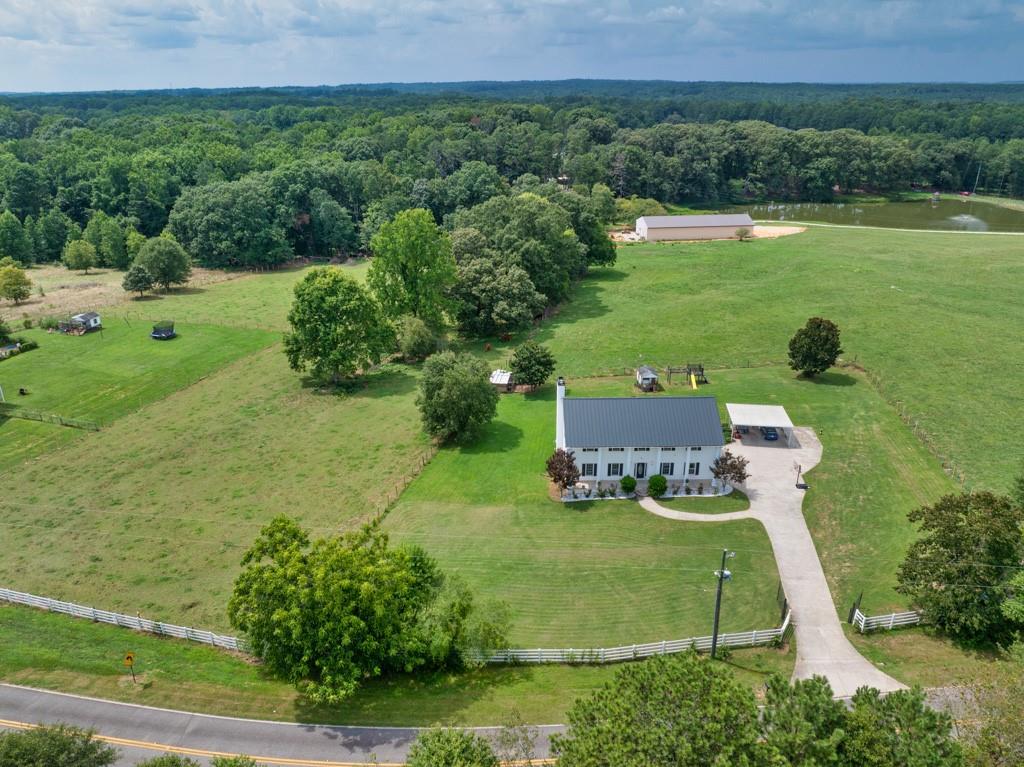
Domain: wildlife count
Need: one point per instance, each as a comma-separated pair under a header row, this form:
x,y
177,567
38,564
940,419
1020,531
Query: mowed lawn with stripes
x,y
586,574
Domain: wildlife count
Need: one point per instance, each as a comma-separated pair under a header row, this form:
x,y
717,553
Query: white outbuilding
x,y
761,421
722,226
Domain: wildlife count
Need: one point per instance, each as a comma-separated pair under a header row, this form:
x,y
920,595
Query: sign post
x,y
129,661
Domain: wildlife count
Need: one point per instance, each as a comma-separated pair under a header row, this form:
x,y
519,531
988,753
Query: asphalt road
x,y
142,732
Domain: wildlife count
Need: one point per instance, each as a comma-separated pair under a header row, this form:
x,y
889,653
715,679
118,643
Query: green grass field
x,y
253,301
594,573
104,375
164,501
57,652
152,513
931,315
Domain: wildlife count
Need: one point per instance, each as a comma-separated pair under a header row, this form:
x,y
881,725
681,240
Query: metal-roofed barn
x,y
703,227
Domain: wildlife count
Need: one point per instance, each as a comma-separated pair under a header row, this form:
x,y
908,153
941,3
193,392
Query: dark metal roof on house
x,y
641,421
688,222
85,316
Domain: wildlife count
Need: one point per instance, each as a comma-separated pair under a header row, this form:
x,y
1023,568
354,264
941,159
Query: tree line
x,y
265,177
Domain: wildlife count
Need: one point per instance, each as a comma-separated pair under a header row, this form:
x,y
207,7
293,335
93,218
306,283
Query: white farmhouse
x,y
610,437
705,227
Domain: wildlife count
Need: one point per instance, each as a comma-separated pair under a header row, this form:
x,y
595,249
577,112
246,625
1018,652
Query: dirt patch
x,y
771,232
628,236
66,292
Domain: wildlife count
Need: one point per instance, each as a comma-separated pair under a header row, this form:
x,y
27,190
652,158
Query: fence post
x,y
892,620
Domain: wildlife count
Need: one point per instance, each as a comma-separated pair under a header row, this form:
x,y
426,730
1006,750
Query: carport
x,y
744,418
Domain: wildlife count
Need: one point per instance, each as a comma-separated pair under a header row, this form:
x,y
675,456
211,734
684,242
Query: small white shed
x,y
763,419
89,320
502,380
646,378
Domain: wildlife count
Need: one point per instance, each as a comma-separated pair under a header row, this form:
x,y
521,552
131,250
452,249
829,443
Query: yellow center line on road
x,y
273,760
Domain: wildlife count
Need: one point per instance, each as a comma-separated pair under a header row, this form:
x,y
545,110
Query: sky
x,y
68,45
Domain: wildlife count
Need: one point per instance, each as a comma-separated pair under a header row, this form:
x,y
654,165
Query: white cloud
x,y
105,43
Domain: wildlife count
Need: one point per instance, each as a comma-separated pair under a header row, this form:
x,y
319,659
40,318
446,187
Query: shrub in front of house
x,y
657,485
628,484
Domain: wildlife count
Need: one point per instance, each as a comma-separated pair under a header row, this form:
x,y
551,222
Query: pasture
x,y
153,513
932,317
104,375
206,439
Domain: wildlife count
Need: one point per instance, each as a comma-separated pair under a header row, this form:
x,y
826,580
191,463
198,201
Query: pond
x,y
950,213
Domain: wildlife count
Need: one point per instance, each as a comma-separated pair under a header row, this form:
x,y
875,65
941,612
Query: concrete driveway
x,y
821,646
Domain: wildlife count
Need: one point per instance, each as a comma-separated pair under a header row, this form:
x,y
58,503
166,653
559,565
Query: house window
x,y
615,470
694,469
668,469
616,449
696,448
668,449
642,449
589,470
590,450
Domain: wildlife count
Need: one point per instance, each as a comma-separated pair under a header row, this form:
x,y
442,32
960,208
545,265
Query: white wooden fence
x,y
865,623
125,621
755,638
632,652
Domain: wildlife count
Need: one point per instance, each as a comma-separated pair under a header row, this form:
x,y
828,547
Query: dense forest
x,y
253,177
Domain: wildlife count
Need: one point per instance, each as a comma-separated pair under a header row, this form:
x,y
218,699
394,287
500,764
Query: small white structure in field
x,y
705,227
89,320
502,380
610,437
646,378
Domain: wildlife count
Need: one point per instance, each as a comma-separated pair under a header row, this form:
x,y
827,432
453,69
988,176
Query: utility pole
x,y
723,575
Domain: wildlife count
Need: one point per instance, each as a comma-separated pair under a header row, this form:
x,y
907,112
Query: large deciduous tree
x,y
14,284
677,710
456,399
231,224
14,243
165,260
329,613
530,232
79,255
490,295
532,364
412,266
337,327
959,571
815,347
137,280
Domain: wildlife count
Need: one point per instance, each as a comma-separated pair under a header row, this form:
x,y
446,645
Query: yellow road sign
x,y
129,659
